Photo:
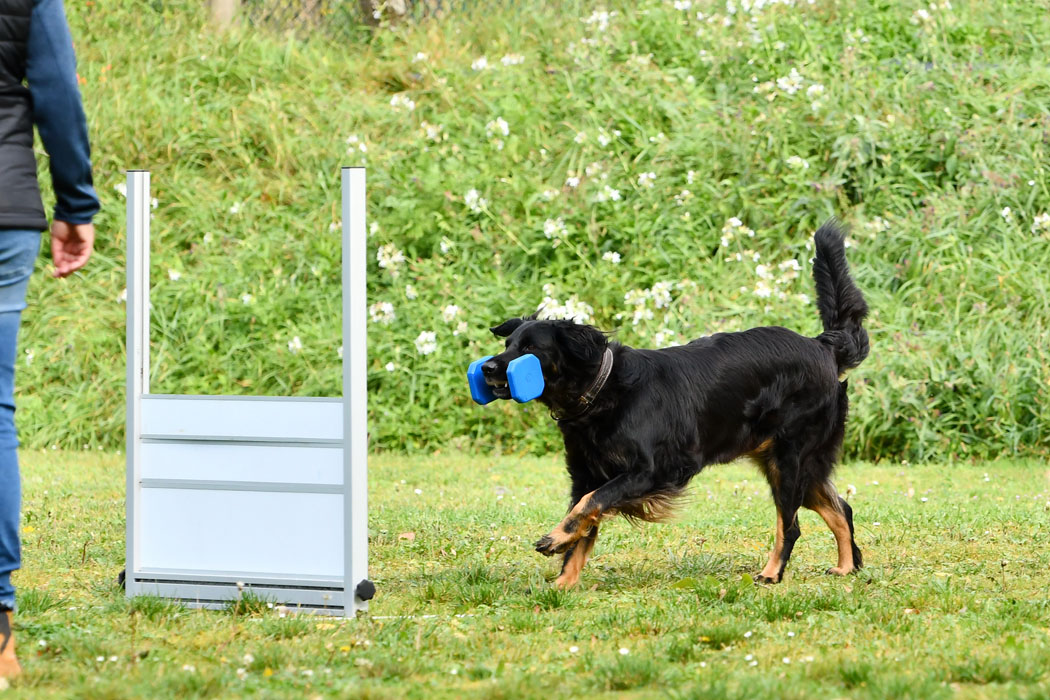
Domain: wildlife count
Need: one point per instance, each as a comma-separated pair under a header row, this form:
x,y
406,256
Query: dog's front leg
x,y
590,509
575,558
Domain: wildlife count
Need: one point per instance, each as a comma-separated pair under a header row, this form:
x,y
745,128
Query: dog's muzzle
x,y
495,374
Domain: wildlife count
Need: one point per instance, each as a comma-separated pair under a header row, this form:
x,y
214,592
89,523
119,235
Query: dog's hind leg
x,y
575,559
825,500
787,533
782,473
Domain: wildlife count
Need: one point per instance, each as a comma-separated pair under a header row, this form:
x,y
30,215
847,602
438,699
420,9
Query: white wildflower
x,y
512,59
573,309
790,83
1041,223
797,163
555,230
295,345
401,101
381,312
580,137
497,126
600,19
1007,214
665,338
426,342
595,168
449,313
433,132
660,293
480,64
647,180
390,258
247,299
121,188
174,275
878,225
612,257
474,201
572,182
410,292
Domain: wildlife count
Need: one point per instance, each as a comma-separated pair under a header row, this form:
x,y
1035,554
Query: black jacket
x,y
20,204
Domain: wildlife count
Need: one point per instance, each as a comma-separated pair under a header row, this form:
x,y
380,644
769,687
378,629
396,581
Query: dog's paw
x,y
545,546
766,579
548,546
836,571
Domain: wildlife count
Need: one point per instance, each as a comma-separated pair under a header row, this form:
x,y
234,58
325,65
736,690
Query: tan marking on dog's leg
x,y
772,569
836,521
576,524
574,562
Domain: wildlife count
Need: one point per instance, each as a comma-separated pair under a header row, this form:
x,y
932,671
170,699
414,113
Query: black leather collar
x,y
587,398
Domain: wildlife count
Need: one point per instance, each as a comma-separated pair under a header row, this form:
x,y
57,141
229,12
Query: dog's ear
x,y
507,327
581,341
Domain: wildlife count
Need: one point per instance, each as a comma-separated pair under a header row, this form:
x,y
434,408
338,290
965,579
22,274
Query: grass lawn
x,y
953,601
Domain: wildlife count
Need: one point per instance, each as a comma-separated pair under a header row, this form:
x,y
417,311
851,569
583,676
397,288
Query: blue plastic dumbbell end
x,y
525,378
479,390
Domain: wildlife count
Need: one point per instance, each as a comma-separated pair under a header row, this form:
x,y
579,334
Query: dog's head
x,y
569,355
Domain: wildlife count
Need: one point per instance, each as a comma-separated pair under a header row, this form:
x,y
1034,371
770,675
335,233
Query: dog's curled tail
x,y
841,305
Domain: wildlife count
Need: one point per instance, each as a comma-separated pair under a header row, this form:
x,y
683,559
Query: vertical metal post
x,y
355,401
138,213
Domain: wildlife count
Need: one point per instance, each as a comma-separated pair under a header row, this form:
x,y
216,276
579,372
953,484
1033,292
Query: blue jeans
x,y
18,251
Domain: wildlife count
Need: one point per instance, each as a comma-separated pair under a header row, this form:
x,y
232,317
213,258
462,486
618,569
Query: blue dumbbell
x,y
479,390
524,378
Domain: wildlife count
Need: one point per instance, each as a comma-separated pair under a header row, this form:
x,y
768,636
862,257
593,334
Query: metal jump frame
x,y
227,494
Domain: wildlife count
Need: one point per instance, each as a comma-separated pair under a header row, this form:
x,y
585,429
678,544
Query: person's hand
x,y
71,246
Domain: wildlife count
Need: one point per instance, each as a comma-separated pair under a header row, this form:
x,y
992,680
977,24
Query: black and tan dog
x,y
639,424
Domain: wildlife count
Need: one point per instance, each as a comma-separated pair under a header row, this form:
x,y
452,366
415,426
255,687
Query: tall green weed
x,y
654,168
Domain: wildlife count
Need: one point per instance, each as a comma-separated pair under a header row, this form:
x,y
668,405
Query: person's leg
x,y
18,251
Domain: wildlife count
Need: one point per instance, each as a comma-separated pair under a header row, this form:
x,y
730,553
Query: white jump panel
x,y
242,418
265,532
235,493
264,464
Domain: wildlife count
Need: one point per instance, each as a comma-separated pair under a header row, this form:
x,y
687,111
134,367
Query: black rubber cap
x,y
366,590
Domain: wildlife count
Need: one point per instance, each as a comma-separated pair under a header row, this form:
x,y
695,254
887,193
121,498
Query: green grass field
x,y
954,601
